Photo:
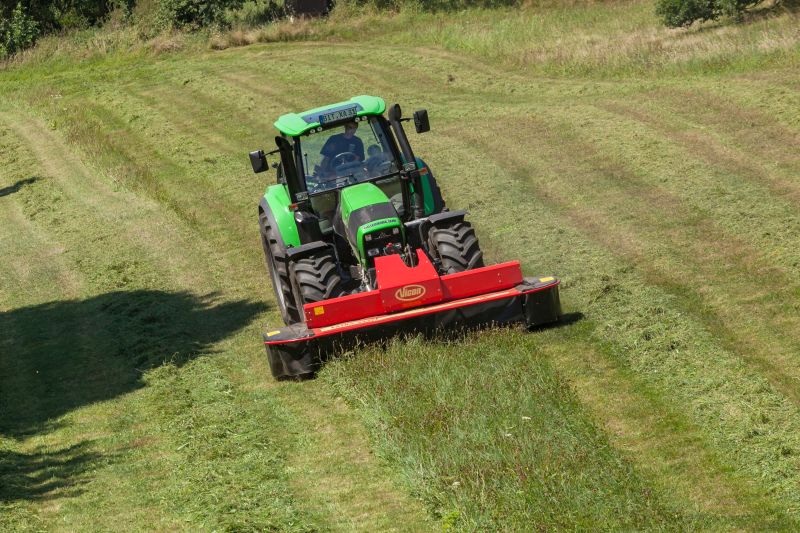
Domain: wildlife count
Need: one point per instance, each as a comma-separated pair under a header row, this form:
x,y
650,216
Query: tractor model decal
x,y
410,293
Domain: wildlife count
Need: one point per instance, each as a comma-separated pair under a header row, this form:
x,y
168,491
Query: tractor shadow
x,y
11,189
60,356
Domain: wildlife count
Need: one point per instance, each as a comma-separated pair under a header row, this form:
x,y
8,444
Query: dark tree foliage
x,y
436,5
194,13
17,31
23,21
676,13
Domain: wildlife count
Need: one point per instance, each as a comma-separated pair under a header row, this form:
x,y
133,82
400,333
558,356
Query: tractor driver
x,y
346,145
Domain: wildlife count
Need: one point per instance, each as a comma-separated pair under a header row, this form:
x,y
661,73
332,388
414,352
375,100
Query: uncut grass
x,y
577,39
500,441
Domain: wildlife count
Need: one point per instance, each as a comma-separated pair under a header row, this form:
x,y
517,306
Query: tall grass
x,y
549,38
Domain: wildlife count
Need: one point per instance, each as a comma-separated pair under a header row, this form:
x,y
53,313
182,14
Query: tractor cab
x,y
344,155
358,151
325,150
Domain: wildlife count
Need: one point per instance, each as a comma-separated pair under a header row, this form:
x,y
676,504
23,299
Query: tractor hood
x,y
364,211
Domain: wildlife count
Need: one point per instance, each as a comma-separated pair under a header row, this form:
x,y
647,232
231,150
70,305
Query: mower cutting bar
x,y
296,348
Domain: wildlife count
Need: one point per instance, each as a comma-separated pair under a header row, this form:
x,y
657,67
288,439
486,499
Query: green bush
x,y
676,13
17,32
192,14
23,21
432,5
254,13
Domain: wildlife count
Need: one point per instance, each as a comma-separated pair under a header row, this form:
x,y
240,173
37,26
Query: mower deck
x,y
412,299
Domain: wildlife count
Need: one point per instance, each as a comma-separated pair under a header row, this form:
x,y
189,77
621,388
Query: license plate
x,y
341,114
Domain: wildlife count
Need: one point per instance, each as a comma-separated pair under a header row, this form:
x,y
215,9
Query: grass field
x,y
657,176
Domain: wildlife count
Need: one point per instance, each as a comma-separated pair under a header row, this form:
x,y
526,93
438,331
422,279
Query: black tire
x,y
275,258
456,247
316,278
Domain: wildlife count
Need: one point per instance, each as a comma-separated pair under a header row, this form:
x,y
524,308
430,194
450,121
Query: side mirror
x,y
259,161
421,121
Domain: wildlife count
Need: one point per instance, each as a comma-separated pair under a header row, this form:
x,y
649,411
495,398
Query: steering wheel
x,y
343,159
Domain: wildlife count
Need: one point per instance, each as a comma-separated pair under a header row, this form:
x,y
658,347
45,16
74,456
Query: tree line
x,y
24,21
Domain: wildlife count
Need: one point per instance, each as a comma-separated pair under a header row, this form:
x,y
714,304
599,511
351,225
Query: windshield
x,y
345,155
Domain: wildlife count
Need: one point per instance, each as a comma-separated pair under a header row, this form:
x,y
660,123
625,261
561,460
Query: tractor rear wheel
x,y
316,278
456,247
274,257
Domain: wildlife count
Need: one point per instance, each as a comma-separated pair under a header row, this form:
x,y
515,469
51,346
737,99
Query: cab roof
x,y
294,124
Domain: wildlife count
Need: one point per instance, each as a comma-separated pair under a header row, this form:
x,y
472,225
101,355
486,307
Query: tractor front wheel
x,y
315,278
456,247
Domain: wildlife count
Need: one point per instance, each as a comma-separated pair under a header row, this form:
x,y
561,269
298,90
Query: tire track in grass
x,y
144,165
672,453
776,98
283,100
59,340
549,239
738,146
110,206
33,269
681,250
336,441
767,222
754,427
725,269
185,113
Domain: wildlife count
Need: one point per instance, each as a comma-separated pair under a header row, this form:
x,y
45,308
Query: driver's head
x,y
350,129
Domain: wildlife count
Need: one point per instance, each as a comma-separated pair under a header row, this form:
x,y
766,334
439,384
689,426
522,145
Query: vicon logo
x,y
409,293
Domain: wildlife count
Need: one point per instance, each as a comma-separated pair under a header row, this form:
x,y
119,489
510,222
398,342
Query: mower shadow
x,y
11,189
458,334
453,335
35,475
59,356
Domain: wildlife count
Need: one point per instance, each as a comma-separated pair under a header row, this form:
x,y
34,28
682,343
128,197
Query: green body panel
x,y
427,191
364,195
358,196
277,197
294,124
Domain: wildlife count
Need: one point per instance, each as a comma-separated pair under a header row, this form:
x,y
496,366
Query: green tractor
x,y
357,238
